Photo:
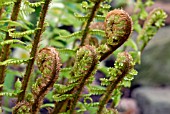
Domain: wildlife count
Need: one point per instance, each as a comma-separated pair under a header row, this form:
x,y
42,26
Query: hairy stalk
x,y
93,13
34,49
1,11
49,64
6,49
84,67
22,108
118,27
125,64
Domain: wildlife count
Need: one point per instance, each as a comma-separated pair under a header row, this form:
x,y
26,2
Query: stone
x,y
152,100
155,64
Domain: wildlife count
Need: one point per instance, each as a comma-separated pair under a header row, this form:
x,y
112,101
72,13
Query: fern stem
x,y
1,11
109,90
34,50
50,75
84,79
6,48
92,15
126,65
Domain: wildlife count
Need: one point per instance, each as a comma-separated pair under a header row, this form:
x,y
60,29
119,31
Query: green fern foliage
x,y
14,61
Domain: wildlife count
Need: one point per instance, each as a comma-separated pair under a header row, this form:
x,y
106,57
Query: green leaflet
x,y
11,42
9,94
75,34
36,4
60,89
47,105
67,51
97,91
97,32
58,98
13,23
14,61
86,17
21,34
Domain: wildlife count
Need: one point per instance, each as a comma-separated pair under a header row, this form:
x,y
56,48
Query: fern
x,y
95,90
11,42
36,4
20,34
9,94
58,98
14,61
12,23
97,32
67,51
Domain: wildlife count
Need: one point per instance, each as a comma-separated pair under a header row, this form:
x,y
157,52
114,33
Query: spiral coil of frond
x,y
118,27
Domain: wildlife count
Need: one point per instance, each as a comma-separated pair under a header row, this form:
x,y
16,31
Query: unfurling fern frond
x,y
122,67
22,107
154,21
118,27
48,62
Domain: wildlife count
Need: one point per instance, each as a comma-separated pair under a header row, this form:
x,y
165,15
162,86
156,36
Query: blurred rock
x,y
153,100
127,106
155,66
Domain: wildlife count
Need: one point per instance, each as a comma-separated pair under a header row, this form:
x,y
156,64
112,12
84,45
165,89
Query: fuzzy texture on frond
x,y
23,107
48,62
123,65
118,27
34,49
154,21
84,67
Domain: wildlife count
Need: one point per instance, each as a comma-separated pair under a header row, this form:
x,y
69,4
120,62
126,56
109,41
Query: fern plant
x,y
62,73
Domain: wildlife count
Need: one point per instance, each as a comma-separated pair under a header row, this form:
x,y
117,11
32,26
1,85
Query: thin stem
x,y
123,65
1,11
6,49
93,13
83,81
105,98
34,50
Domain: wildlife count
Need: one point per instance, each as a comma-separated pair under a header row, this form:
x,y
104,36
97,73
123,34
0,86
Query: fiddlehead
x,y
48,62
84,67
118,26
34,49
154,21
123,67
22,108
